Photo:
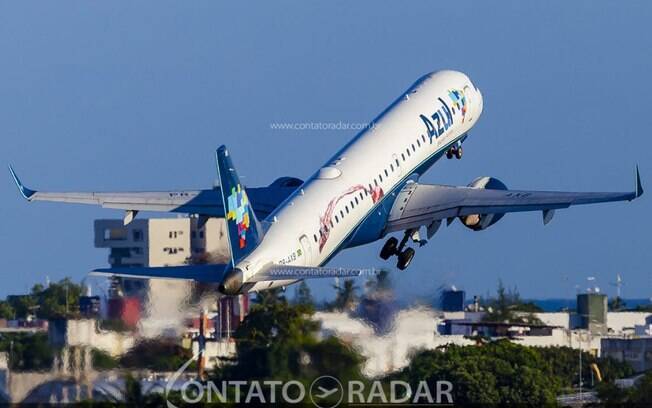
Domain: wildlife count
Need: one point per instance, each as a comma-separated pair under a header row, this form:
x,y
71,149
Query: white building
x,y
161,242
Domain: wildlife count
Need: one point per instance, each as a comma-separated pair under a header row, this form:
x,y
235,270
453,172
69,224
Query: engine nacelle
x,y
479,222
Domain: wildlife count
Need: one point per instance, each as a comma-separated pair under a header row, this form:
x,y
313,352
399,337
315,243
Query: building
x,y
452,300
635,351
592,311
162,241
157,305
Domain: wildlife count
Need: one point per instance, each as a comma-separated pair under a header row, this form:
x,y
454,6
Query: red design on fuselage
x,y
326,220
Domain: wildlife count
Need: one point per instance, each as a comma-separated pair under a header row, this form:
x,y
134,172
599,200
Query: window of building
x,y
137,234
201,234
193,234
115,234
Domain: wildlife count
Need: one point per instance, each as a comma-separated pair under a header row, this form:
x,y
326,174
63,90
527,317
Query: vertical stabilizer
x,y
244,231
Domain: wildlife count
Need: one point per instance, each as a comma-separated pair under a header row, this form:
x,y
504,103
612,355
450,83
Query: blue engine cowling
x,y
479,222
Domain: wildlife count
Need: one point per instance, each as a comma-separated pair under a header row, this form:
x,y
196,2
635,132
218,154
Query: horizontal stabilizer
x,y
212,273
287,272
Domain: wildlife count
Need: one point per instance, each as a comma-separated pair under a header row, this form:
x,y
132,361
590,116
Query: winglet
x,y
639,186
24,191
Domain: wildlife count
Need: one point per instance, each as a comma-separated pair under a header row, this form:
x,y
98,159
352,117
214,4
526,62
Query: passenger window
x,y
341,213
418,143
346,207
332,223
386,173
397,163
337,219
403,156
356,200
391,167
423,138
376,182
380,177
414,149
361,196
315,236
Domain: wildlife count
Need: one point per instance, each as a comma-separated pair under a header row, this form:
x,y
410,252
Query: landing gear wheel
x,y
449,154
458,152
405,258
389,248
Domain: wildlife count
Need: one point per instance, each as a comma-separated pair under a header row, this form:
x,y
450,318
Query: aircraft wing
x,y
425,204
204,202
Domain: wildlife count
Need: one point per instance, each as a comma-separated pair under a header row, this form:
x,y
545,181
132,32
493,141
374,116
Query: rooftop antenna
x,y
618,284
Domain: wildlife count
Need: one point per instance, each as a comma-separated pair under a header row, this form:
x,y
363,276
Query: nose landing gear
x,y
455,150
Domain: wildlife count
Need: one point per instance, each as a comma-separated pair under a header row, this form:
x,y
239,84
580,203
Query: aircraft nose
x,y
232,282
479,102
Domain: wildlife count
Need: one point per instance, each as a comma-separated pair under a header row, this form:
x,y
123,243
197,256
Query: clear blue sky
x,y
137,95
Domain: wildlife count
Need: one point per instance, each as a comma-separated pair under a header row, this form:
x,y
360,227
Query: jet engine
x,y
479,222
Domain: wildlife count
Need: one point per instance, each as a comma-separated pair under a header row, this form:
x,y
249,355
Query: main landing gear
x,y
455,150
393,247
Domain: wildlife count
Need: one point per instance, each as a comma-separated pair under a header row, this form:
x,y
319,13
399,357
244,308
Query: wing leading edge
x,y
428,203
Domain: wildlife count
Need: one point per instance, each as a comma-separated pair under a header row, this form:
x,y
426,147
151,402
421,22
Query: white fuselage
x,y
318,219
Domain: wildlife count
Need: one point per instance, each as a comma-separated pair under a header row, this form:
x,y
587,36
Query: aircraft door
x,y
306,248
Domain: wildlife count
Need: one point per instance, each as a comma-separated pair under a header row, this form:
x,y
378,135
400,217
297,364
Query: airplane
x,y
370,189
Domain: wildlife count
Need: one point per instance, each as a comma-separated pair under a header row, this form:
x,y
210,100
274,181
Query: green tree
x,y
157,355
346,296
6,311
269,297
59,299
303,296
508,307
279,341
28,351
617,304
497,373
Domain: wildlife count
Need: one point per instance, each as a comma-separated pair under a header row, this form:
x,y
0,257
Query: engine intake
x,y
479,222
